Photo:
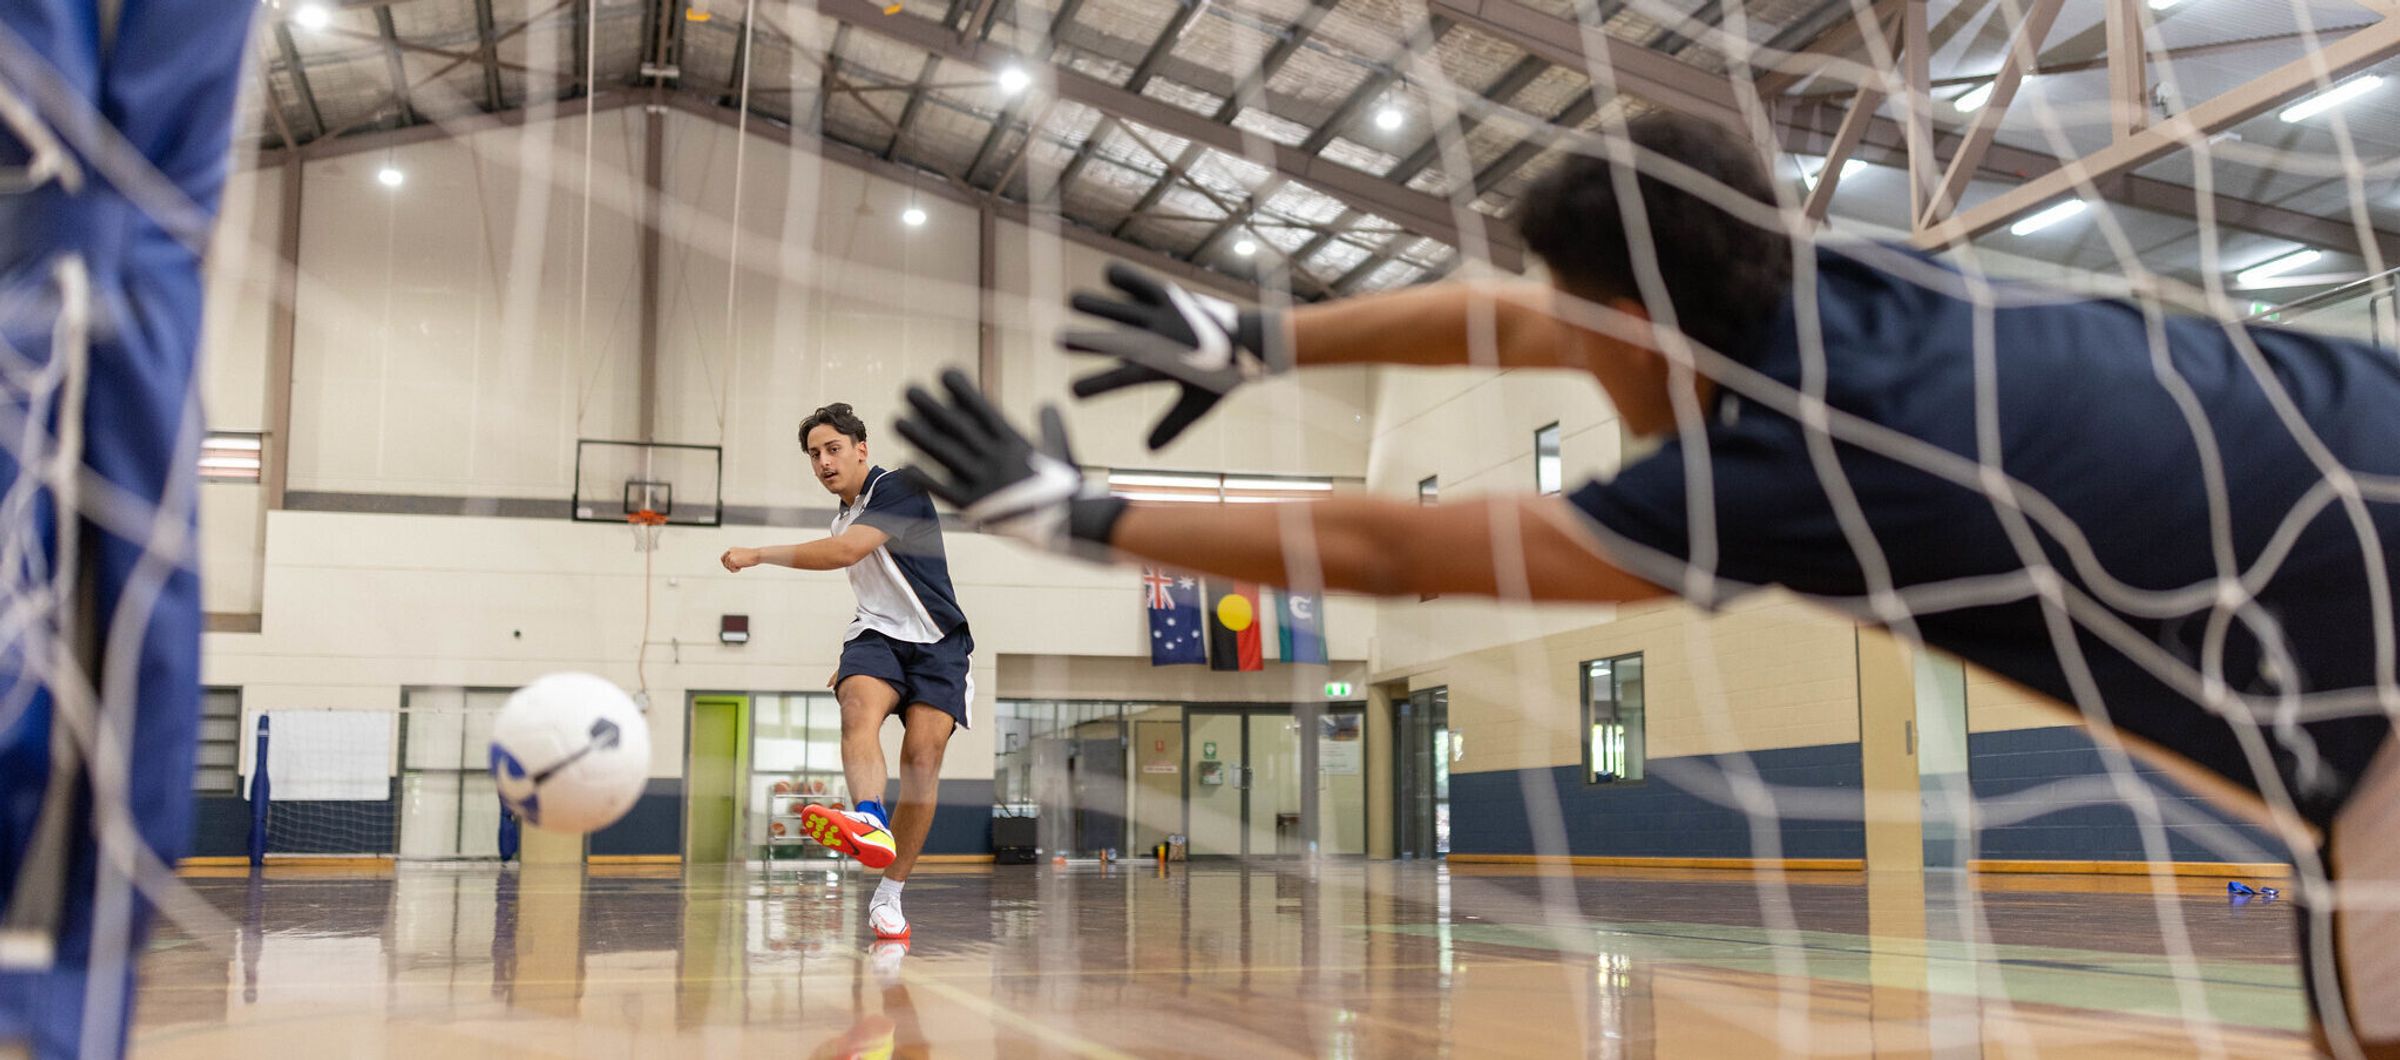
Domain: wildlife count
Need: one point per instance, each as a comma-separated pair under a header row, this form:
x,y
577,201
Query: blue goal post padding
x,y
139,95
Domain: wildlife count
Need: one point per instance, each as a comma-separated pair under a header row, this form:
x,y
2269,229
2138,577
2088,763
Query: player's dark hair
x,y
837,416
1725,275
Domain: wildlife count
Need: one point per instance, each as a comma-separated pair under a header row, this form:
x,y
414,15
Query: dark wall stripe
x,y
2000,764
653,826
220,826
1656,817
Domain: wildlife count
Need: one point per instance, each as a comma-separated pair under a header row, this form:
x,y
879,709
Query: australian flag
x,y
1177,635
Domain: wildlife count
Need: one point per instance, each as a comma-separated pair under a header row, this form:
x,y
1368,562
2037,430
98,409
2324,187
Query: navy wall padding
x,y
2001,764
653,826
1656,817
963,825
220,826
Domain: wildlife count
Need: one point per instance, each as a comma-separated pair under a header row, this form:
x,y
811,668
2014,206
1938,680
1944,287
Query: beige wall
x,y
359,606
443,341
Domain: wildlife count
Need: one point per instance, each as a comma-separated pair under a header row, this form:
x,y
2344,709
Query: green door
x,y
713,771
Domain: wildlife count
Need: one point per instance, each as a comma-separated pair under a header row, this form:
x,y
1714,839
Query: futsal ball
x,y
570,753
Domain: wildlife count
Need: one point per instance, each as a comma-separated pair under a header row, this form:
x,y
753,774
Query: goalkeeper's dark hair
x,y
1726,276
837,416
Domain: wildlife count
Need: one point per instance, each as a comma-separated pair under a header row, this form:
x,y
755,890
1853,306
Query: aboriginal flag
x,y
1233,627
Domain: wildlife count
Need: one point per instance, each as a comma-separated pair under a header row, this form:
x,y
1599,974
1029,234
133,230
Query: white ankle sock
x,y
888,890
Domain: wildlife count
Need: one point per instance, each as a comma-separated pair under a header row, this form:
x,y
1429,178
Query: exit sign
x,y
1337,688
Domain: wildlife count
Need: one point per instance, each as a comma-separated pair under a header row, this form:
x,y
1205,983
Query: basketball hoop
x,y
646,527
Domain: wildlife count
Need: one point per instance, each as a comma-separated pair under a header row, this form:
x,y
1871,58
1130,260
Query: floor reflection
x,y
1340,958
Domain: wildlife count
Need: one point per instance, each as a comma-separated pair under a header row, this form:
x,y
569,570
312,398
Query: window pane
x,y
1613,718
1545,459
1629,715
824,729
1429,491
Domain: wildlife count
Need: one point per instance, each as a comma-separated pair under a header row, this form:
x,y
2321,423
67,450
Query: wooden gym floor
x,y
1345,959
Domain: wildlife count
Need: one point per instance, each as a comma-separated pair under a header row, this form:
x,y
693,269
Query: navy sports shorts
x,y
933,674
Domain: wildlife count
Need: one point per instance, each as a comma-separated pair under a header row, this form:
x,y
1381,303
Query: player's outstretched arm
x,y
1003,482
1515,547
1155,330
830,553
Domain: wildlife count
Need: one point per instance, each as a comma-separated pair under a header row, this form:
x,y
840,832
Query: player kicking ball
x,y
905,653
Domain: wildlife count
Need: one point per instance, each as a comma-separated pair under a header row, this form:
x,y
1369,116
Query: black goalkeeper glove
x,y
1167,333
996,478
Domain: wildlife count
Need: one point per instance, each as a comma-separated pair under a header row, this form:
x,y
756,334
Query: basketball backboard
x,y
615,480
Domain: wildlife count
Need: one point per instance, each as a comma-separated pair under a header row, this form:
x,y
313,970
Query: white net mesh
x,y
647,224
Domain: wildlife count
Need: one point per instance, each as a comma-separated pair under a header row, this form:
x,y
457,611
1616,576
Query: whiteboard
x,y
331,755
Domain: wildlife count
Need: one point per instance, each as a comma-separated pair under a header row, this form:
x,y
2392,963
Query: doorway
x,y
1421,805
1242,789
715,773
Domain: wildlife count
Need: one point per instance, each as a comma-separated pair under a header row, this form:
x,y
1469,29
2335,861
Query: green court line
x,y
2259,994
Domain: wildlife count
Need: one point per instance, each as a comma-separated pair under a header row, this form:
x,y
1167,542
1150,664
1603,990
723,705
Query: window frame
x,y
1637,746
202,742
1557,482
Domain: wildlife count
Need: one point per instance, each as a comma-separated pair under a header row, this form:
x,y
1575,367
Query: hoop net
x,y
647,525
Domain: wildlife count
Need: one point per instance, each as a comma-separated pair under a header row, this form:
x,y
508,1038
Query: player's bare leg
x,y
860,832
928,733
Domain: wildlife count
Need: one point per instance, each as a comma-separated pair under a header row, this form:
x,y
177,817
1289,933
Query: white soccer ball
x,y
570,753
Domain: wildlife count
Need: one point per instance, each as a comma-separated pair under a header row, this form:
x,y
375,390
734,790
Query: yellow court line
x,y
2267,869
1592,861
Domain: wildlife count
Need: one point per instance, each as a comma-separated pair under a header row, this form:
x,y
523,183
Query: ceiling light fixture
x,y
389,177
1390,118
2331,98
914,217
1810,171
2046,218
2265,273
1014,80
312,16
1246,247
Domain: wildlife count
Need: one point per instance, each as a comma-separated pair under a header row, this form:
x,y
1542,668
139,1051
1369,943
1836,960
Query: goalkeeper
x,y
2174,522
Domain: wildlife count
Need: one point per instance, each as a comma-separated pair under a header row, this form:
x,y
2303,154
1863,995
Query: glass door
x,y
1215,819
1242,794
1273,776
1422,803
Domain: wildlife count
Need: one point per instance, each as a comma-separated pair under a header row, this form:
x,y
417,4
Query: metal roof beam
x,y
834,150
391,63
1420,212
1639,72
1007,120
1372,88
485,29
1268,65
2202,120
299,75
1142,73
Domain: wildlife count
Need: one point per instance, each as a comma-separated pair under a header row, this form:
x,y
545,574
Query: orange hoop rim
x,y
646,517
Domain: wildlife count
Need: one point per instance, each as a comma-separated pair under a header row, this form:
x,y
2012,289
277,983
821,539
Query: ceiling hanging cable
x,y
733,244
591,130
